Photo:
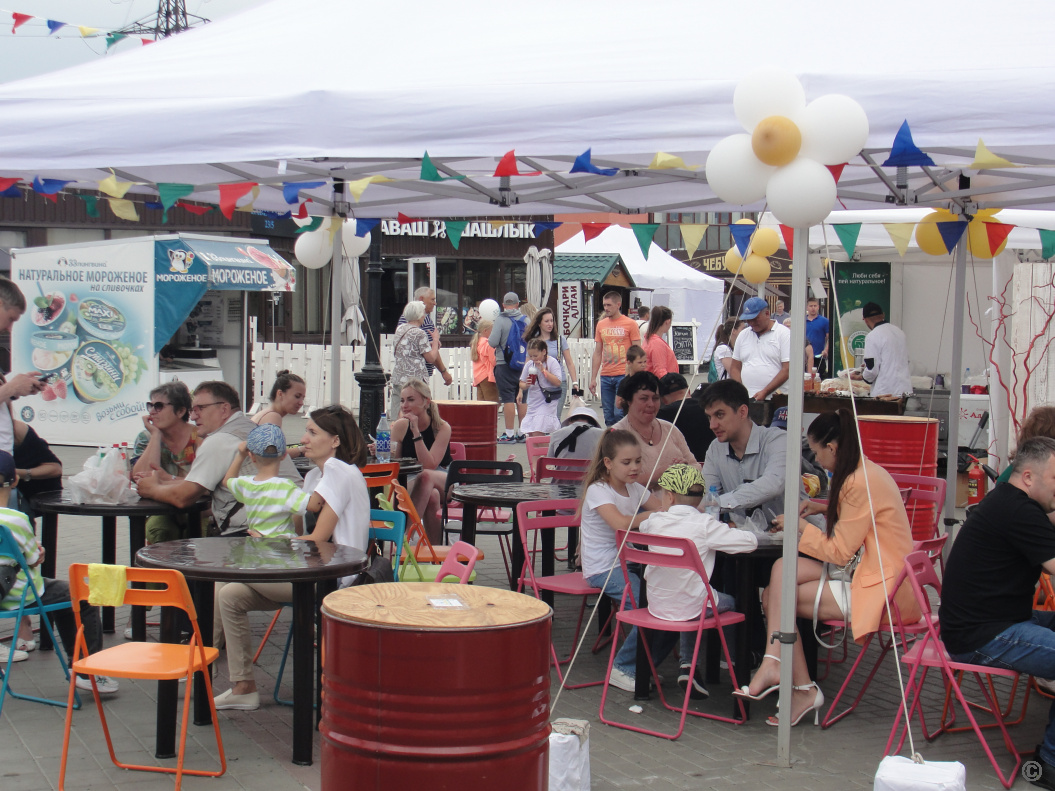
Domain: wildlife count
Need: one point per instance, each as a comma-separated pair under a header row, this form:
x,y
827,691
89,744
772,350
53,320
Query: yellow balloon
x,y
978,237
744,221
928,237
776,140
733,260
756,269
766,241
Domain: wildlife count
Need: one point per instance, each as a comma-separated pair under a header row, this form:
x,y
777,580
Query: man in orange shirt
x,y
615,334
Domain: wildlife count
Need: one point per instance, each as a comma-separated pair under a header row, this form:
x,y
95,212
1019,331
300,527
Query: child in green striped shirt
x,y
271,502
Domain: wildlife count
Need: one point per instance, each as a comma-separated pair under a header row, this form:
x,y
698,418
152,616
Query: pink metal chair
x,y
926,493
453,566
653,550
457,451
537,447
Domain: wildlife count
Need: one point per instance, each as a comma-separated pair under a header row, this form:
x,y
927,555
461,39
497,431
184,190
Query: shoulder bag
x,y
829,571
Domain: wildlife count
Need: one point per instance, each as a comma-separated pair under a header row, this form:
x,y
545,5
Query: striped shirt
x,y
22,532
270,504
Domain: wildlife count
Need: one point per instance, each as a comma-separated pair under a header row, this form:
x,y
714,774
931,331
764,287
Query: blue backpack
x,y
516,346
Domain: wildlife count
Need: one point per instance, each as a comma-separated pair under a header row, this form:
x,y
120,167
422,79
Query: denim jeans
x,y
609,385
1028,647
56,591
725,603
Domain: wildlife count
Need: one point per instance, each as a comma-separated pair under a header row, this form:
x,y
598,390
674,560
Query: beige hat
x,y
582,412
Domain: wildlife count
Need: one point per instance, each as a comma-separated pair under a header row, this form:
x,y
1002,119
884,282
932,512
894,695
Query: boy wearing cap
x,y
270,501
761,357
679,594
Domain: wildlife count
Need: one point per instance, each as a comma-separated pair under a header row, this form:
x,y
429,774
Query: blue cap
x,y
7,469
267,441
752,308
780,418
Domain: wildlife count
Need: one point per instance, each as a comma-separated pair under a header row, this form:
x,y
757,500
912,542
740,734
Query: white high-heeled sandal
x,y
745,691
818,704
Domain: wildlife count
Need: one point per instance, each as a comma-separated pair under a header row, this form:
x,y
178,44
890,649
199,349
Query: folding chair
x,y
29,604
162,661
675,553
380,476
482,472
926,493
928,652
537,447
550,468
457,451
417,540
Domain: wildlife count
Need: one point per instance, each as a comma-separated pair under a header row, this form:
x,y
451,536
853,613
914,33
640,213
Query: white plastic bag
x,y
898,773
103,481
569,755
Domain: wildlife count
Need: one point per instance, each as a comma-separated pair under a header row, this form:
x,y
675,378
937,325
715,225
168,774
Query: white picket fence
x,y
312,362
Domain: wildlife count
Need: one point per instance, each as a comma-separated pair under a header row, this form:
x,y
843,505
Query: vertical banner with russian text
x,y
569,300
856,284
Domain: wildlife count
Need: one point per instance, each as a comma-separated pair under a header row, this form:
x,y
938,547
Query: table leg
x,y
469,523
168,695
204,593
109,557
136,541
49,537
517,556
303,601
573,547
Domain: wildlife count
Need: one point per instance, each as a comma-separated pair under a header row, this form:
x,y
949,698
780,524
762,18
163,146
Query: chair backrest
x,y
919,569
173,590
549,468
9,548
453,566
394,531
481,472
672,552
529,518
932,546
378,475
924,489
415,529
537,447
457,450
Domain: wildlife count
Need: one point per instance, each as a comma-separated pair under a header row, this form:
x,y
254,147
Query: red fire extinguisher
x,y
975,482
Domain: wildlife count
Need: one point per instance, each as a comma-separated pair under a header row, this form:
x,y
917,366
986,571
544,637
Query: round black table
x,y
506,495
50,504
312,567
408,466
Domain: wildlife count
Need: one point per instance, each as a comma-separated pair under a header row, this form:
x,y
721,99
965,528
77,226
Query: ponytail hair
x,y
283,382
611,442
538,345
660,315
482,326
838,427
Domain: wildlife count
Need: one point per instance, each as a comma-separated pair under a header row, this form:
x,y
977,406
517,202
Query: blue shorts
x,y
508,382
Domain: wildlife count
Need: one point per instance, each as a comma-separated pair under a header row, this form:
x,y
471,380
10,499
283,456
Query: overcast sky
x,y
30,50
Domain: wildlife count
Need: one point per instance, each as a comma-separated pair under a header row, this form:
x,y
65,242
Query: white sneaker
x,y
228,700
1046,684
105,684
6,653
26,645
621,680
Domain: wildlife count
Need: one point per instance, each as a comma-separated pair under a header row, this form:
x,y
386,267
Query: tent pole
x,y
336,290
792,484
959,291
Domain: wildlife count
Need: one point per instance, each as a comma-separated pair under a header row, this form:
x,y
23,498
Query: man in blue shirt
x,y
817,335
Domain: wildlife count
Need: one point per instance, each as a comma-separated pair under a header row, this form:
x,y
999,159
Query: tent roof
x,y
297,90
585,267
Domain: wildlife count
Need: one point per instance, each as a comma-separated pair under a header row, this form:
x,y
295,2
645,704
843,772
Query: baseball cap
x,y
511,298
871,309
672,383
780,418
681,479
580,412
7,468
752,308
264,437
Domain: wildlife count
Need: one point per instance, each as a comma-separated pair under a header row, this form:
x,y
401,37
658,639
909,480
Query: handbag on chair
x,y
844,574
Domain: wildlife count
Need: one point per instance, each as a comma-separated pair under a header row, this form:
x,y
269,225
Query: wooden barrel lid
x,y
897,419
434,605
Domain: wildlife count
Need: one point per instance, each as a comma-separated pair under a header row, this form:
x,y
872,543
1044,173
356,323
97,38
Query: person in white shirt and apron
x,y
886,355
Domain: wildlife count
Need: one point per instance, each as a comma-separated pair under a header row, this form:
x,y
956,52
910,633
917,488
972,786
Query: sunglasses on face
x,y
156,406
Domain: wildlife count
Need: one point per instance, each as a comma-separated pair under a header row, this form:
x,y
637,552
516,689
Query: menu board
x,y
683,341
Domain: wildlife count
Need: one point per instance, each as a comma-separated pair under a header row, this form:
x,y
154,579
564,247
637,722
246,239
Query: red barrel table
x,y
433,685
908,446
475,425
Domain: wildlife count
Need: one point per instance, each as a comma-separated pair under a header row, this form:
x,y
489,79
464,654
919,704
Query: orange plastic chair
x,y
161,661
537,447
424,550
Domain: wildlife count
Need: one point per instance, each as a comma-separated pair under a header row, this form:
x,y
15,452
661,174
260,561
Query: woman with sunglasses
x,y
169,440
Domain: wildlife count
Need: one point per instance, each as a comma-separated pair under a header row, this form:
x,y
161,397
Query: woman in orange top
x,y
483,357
849,512
661,359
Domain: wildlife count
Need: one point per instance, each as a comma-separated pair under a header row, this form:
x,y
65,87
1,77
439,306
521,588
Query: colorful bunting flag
x,y
692,236
363,227
19,19
114,188
429,171
904,151
87,31
48,186
11,192
591,230
662,161
124,209
541,227
404,219
742,233
900,234
54,26
229,195
248,207
1047,243
984,159
302,212
314,225
7,183
507,166
91,205
836,171
113,38
583,164
291,190
276,215
644,232
848,233
997,233
169,194
147,41
951,232
155,205
455,228
788,234
194,209
358,187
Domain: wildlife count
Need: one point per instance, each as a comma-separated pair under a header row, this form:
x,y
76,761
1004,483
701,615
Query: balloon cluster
x,y
930,240
754,267
314,249
788,144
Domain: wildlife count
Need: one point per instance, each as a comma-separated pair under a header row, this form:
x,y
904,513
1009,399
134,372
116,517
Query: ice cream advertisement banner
x,y
855,285
89,330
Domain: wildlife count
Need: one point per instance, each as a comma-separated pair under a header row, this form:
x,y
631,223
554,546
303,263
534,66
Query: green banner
x,y
855,285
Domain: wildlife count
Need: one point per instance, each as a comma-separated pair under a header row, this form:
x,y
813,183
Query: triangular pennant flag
x,y
404,219
52,198
334,227
248,207
153,204
997,233
742,235
276,215
113,38
904,151
11,192
302,212
87,31
358,187
788,234
848,233
291,190
124,209
644,232
169,194
19,19
582,164
1047,243
692,235
507,166
229,195
540,228
984,159
951,232
836,171
454,231
147,41
54,26
314,225
900,234
429,171
662,161
7,183
591,230
114,188
91,205
363,227
194,209
48,186
500,223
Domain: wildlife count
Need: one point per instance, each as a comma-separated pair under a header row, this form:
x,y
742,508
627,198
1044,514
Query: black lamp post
x,y
372,378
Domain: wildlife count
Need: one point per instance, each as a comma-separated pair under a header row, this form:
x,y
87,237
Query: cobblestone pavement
x,y
708,755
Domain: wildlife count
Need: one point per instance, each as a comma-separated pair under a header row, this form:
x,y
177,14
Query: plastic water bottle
x,y
383,440
964,386
713,508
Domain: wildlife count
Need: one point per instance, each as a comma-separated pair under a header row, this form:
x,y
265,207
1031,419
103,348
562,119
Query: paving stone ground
x,y
258,744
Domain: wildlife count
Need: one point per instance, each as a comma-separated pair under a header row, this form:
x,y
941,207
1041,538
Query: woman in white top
x,y
287,398
340,499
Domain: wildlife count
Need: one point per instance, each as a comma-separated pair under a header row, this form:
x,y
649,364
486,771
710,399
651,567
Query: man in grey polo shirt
x,y
508,330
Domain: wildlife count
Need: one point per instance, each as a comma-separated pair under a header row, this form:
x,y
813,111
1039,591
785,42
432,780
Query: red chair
x,y
453,565
674,553
928,652
537,447
549,468
924,490
457,451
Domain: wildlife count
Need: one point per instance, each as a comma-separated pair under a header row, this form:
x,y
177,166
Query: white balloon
x,y
801,194
735,174
834,129
767,92
314,249
489,310
354,246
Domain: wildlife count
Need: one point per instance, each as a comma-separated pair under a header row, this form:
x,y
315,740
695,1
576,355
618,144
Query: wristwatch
x,y
28,476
